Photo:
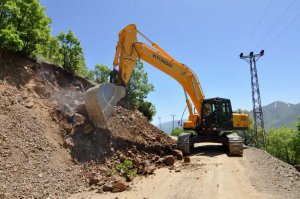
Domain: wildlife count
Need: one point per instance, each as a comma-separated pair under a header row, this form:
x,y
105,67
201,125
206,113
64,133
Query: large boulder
x,y
186,159
178,154
169,160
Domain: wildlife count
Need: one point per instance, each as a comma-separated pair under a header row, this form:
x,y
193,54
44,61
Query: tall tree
x,y
101,73
90,75
138,89
51,51
23,26
10,40
72,54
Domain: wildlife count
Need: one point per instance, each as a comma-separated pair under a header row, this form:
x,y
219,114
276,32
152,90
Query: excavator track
x,y
234,144
183,143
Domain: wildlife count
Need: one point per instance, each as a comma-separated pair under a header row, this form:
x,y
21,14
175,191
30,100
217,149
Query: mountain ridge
x,y
276,114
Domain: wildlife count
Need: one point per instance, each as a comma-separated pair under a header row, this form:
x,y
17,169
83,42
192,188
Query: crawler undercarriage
x,y
231,141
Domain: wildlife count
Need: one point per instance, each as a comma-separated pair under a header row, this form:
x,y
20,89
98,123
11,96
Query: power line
x,y
274,24
258,24
220,75
227,72
232,70
226,77
283,30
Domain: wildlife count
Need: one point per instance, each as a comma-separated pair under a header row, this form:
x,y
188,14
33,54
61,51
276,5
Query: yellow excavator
x,y
212,119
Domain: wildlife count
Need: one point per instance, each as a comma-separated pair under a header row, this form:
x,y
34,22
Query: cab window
x,y
207,110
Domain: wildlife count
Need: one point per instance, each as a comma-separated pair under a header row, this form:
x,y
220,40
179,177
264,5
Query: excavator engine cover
x,y
100,102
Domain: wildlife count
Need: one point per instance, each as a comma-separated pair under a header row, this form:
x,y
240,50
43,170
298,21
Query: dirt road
x,y
212,174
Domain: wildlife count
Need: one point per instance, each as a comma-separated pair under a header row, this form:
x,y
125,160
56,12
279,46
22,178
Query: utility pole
x,y
259,128
173,121
159,118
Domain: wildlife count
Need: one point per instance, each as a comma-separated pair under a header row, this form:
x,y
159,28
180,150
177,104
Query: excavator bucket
x,y
100,102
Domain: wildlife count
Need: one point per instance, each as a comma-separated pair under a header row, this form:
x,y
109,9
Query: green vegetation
x,y
101,73
72,54
125,169
24,26
25,29
138,89
51,51
177,131
283,144
249,135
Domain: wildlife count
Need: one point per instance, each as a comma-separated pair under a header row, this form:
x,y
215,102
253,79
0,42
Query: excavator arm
x,y
218,119
129,50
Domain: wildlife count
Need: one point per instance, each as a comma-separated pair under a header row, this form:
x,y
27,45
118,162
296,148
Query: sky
x,y
207,36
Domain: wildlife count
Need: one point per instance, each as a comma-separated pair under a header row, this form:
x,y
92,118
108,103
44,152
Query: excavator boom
x,y
129,50
211,118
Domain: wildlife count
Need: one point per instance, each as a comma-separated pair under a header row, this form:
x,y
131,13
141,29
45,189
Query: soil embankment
x,y
47,145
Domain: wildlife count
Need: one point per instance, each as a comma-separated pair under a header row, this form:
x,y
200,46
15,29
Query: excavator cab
x,y
216,114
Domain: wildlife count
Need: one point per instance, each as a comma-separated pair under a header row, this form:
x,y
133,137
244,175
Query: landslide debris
x,y
48,147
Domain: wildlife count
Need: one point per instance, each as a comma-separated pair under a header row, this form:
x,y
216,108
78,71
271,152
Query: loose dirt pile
x,y
272,174
49,148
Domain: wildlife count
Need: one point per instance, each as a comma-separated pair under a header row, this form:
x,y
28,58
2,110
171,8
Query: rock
x,y
107,187
69,129
88,128
99,191
150,169
178,154
134,150
169,160
130,153
76,119
122,158
119,186
186,159
68,143
160,160
137,160
2,139
93,181
129,178
132,117
29,105
177,170
297,167
140,169
155,158
81,109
